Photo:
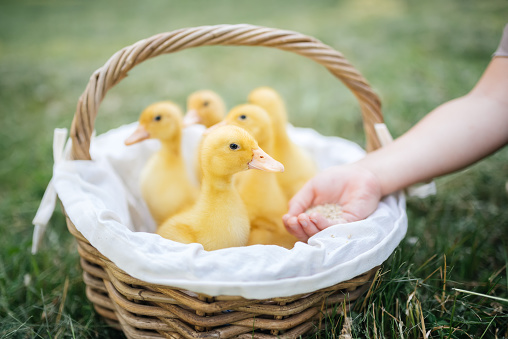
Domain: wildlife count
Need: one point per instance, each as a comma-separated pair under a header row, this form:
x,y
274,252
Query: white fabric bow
x,y
48,202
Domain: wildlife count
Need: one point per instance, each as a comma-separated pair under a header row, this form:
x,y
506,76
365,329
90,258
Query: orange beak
x,y
138,135
262,161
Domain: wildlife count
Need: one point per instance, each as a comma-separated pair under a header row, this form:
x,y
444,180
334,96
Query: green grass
x,y
415,54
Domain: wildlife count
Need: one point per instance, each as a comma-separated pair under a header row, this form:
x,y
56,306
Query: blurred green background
x,y
415,54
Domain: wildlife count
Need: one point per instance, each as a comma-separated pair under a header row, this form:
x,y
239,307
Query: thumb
x,y
358,211
302,200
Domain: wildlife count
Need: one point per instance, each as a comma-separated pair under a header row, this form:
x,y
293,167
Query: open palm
x,y
352,187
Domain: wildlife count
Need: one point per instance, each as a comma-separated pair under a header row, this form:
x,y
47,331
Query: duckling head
x,y
227,150
255,120
161,120
204,107
272,102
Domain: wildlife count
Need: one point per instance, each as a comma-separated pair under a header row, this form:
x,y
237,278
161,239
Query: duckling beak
x,y
191,118
262,161
138,135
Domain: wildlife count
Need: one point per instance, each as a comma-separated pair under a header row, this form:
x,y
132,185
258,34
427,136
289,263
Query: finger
x,y
349,217
308,226
294,227
358,210
320,221
302,200
285,218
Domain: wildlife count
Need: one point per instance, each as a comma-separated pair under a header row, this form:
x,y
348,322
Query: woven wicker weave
x,y
144,310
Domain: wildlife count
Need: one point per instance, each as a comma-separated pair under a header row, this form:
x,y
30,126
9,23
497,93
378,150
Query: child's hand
x,y
353,187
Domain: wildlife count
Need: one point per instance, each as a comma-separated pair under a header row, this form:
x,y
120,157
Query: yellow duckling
x,y
260,191
219,218
299,166
204,107
165,184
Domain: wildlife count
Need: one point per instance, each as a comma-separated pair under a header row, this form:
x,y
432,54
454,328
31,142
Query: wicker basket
x,y
144,310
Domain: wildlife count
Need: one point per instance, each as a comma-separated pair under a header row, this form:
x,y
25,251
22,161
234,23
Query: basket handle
x,y
117,67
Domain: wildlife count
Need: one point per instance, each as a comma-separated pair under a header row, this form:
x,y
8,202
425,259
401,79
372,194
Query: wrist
x,y
382,173
370,182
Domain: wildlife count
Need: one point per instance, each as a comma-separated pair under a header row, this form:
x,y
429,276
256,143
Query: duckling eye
x,y
234,146
205,103
242,117
157,118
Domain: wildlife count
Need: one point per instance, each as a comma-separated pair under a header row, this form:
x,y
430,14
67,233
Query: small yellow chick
x,y
204,107
299,166
219,218
165,184
262,194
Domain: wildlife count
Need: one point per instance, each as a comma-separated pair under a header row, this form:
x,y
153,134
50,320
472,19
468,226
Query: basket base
x,y
146,311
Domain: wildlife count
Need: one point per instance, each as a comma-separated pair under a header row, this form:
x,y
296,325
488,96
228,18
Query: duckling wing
x,y
178,231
